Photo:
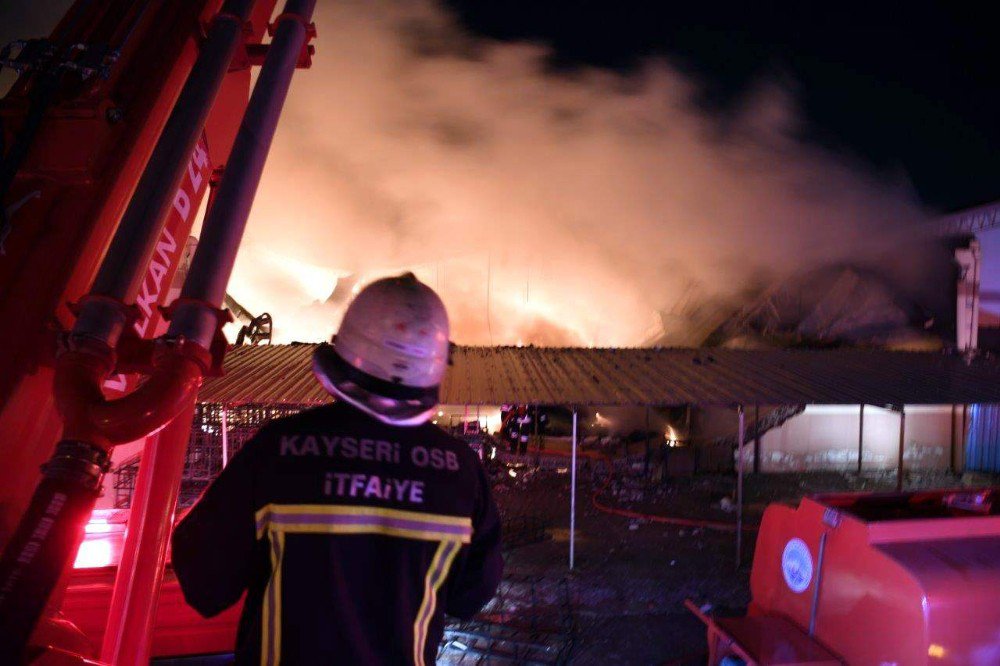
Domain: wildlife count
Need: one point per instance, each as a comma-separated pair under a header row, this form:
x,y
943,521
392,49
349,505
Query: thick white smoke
x,y
586,204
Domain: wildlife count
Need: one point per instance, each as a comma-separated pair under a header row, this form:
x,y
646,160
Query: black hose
x,y
46,539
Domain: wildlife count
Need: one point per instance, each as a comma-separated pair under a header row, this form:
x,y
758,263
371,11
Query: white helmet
x,y
390,353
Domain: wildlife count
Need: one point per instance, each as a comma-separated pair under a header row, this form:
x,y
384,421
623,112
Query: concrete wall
x,y
826,437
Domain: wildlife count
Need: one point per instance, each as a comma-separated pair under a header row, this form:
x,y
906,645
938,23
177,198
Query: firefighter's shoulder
x,y
307,418
266,439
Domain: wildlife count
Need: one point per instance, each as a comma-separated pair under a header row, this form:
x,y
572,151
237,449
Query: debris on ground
x,y
624,598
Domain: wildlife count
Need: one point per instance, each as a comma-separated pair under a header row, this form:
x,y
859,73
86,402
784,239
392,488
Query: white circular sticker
x,y
797,565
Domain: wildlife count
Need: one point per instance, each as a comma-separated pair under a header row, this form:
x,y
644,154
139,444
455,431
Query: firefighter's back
x,y
365,520
353,527
361,539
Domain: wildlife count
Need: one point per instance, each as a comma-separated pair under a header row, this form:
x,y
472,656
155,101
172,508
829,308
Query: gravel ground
x,y
632,575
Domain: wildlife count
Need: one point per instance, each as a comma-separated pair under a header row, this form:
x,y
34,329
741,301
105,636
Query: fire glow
x,y
591,209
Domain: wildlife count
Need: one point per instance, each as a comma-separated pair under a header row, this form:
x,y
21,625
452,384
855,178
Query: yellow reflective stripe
x,y
418,640
419,535
265,616
273,520
277,601
361,510
344,519
262,516
270,649
436,575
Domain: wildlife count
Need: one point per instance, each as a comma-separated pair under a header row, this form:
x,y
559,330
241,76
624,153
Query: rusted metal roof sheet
x,y
281,374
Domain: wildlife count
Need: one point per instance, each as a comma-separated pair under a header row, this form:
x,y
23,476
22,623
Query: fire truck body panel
x,y
178,630
88,135
72,188
902,578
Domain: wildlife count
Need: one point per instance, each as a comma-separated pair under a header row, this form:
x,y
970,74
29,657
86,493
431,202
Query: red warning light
x,y
103,540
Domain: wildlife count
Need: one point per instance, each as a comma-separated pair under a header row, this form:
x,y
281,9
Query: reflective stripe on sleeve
x,y
270,651
436,574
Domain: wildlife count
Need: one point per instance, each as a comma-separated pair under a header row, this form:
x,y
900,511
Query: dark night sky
x,y
911,86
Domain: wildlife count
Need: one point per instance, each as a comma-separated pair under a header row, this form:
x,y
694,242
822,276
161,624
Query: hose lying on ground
x,y
655,518
668,520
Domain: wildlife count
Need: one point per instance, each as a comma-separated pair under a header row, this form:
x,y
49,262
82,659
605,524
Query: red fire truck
x,y
117,126
176,630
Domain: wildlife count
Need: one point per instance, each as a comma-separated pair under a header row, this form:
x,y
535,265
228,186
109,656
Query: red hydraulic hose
x,y
196,320
92,418
654,518
668,520
51,530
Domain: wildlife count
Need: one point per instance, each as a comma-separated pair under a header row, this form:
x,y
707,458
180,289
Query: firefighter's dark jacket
x,y
352,538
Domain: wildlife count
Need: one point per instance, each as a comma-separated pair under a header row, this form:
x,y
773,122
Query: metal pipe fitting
x,y
90,417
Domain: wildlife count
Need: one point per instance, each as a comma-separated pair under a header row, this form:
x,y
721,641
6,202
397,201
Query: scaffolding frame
x,y
207,450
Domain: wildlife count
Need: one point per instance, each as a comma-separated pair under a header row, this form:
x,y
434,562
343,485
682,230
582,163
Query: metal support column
x,y
645,470
137,582
951,456
538,440
572,499
902,435
225,436
965,437
756,439
861,436
739,488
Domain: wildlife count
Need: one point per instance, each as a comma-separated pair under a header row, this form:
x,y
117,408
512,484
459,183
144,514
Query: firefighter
x,y
353,527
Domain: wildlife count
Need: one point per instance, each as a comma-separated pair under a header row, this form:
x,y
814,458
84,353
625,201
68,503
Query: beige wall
x,y
826,437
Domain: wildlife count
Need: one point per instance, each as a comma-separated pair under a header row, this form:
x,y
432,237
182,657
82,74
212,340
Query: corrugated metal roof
x,y
281,374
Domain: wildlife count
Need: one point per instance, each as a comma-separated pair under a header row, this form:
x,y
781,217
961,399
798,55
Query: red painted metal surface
x,y
141,568
906,579
154,291
64,205
70,193
177,629
90,417
61,642
760,641
74,184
